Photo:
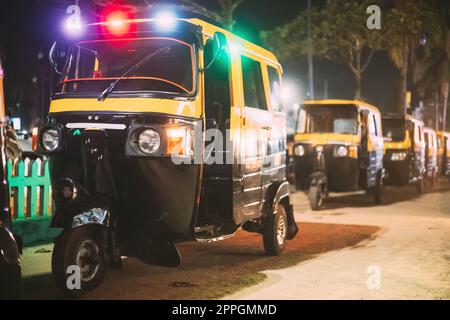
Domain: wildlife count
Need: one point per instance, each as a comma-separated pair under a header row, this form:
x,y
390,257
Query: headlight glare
x,y
50,139
149,141
398,156
341,151
299,150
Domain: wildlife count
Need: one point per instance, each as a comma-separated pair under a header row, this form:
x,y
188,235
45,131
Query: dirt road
x,y
410,256
406,241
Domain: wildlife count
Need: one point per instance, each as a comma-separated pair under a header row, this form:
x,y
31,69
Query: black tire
x,y
275,230
68,251
420,186
11,282
316,197
378,191
432,180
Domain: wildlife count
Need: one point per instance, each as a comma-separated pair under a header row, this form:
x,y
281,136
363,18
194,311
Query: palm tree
x,y
432,74
406,23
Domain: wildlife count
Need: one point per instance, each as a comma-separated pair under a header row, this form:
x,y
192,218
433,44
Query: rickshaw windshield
x,y
340,119
92,65
394,129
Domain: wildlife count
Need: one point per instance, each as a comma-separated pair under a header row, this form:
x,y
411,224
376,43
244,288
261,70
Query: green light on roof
x,y
76,132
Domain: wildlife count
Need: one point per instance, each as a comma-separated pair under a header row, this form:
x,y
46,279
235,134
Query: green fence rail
x,y
31,201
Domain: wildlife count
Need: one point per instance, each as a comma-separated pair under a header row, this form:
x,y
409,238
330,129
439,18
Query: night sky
x,y
28,27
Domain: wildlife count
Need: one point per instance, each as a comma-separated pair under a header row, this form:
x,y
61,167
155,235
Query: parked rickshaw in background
x,y
290,161
10,246
133,172
404,158
338,148
444,153
431,156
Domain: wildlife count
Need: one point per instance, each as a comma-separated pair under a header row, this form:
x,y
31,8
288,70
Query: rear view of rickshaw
x,y
431,156
162,131
444,153
404,159
338,148
10,246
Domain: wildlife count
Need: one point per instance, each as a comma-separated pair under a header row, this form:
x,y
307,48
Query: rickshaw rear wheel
x,y
316,197
82,247
420,186
275,230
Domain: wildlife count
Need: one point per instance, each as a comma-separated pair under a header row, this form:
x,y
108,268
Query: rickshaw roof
x,y
408,117
443,133
429,130
338,102
209,29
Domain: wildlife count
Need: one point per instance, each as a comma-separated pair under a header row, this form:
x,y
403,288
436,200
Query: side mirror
x,y
52,59
220,44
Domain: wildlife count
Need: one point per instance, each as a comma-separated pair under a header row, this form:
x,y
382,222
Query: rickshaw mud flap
x,y
163,254
292,229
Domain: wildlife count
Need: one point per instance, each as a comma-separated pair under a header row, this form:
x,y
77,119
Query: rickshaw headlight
x,y
149,141
341,151
299,151
398,156
50,140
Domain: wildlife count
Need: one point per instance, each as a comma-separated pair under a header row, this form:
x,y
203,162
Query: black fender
x,y
317,178
9,249
279,192
92,209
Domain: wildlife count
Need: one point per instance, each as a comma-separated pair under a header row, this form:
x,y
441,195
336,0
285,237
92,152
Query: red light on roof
x,y
117,23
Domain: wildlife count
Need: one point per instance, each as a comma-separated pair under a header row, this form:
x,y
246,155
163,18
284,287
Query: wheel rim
x,y
321,196
88,259
281,230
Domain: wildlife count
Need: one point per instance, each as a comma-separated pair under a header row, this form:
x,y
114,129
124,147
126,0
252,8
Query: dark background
x,y
28,28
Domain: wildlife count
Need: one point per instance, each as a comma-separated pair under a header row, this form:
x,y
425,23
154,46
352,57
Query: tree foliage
x,y
339,33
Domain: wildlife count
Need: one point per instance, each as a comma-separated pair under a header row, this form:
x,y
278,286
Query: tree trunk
x,y
445,94
403,88
358,86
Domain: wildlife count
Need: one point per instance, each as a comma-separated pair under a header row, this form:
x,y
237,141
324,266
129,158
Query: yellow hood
x,y
168,106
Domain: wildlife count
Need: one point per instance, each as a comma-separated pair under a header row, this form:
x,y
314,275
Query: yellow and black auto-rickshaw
x,y
10,245
170,130
404,159
431,155
338,148
443,139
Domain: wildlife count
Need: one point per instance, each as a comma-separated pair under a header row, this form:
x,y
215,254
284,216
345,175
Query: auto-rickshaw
x,y
431,152
443,139
10,245
404,159
134,140
338,148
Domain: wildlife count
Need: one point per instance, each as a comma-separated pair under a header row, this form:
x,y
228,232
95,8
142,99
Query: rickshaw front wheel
x,y
275,230
420,185
316,197
78,262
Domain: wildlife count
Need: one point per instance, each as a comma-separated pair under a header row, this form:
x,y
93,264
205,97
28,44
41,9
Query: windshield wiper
x,y
105,93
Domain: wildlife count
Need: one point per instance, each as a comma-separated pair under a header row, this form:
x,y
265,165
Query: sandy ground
x,y
407,240
411,255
